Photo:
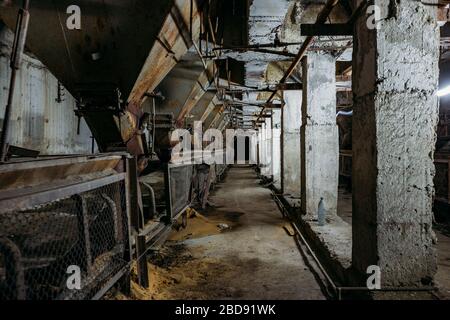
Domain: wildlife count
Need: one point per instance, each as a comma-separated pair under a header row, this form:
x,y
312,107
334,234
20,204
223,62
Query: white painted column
x,y
395,78
291,168
319,135
276,148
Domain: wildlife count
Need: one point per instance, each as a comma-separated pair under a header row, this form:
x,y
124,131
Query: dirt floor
x,y
236,250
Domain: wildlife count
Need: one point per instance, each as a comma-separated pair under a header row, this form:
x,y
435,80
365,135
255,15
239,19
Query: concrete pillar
x,y
319,135
291,122
276,148
260,146
268,148
254,148
395,78
262,149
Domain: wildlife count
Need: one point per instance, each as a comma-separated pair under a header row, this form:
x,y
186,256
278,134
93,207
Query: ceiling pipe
x,y
321,19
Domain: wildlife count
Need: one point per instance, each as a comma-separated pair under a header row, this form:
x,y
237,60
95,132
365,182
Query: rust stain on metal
x,y
161,61
25,178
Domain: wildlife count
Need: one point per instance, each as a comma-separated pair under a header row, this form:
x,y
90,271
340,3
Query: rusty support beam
x,y
197,92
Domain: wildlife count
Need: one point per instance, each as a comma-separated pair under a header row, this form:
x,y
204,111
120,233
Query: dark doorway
x,y
247,148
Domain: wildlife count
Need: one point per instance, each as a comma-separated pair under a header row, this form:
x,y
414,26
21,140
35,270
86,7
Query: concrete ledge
x,y
332,244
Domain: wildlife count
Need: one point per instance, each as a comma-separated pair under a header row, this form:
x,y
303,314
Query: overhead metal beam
x,y
322,18
289,86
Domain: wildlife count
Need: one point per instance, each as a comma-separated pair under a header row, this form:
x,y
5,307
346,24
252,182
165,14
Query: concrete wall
x,y
39,122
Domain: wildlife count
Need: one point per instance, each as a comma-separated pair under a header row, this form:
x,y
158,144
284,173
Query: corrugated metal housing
x,y
38,121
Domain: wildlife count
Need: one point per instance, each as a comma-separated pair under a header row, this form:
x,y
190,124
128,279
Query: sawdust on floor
x,y
199,226
237,249
174,264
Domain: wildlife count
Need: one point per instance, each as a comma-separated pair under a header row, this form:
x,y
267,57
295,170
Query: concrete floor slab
x,y
255,259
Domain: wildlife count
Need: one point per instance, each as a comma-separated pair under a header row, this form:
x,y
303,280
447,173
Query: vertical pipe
x,y
20,36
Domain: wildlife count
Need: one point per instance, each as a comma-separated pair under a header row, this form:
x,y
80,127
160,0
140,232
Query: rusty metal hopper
x,y
122,46
114,47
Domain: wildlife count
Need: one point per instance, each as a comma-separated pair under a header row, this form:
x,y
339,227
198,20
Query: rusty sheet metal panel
x,y
184,87
214,119
50,171
197,92
213,115
210,109
38,121
108,52
200,108
173,41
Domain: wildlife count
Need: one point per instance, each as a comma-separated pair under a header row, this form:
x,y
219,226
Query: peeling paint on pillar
x,y
395,77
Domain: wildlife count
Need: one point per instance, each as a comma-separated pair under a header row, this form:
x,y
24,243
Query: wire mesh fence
x,y
180,183
65,249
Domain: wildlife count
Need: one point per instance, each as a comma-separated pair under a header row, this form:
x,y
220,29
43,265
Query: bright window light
x,y
443,92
